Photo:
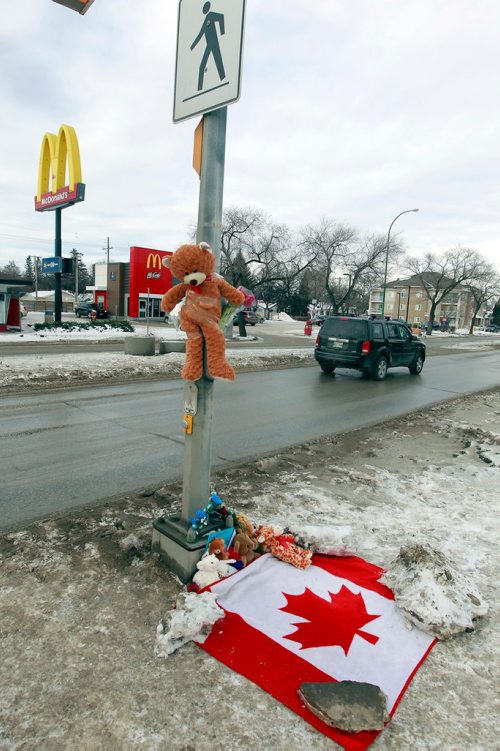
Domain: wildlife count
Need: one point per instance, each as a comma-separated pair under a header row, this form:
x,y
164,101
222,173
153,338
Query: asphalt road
x,y
65,449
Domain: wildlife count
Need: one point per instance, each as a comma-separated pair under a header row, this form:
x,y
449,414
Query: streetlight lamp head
x,y
414,209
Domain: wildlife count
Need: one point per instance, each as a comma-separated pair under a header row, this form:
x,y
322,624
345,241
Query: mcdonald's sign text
x,y
59,155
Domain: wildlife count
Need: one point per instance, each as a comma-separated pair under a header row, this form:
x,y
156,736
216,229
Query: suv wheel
x,y
379,371
416,367
327,367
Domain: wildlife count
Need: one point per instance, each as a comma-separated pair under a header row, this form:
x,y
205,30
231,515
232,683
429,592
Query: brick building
x,y
407,300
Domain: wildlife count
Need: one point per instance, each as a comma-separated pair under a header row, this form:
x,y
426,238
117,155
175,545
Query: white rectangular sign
x,y
209,53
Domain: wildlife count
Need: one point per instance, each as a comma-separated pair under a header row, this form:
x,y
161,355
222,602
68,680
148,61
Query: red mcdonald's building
x,y
149,280
134,289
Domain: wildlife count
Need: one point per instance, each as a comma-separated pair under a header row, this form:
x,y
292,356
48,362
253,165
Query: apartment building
x,y
407,300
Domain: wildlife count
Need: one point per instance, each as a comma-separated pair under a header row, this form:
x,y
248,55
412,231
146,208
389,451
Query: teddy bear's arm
x,y
231,294
172,297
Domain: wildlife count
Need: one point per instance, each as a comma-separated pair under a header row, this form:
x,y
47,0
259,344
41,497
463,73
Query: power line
x,y
50,241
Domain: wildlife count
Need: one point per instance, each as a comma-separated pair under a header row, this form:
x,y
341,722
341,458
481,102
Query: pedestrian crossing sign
x,y
209,54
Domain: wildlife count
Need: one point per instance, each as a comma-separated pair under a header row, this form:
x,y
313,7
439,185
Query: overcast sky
x,y
352,110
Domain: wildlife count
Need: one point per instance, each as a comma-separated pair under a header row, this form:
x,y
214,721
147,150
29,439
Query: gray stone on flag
x,y
347,705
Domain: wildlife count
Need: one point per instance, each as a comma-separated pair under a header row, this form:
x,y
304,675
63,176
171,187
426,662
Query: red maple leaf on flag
x,y
333,622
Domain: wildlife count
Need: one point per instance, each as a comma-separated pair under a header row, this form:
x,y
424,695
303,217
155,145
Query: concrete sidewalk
x,y
81,597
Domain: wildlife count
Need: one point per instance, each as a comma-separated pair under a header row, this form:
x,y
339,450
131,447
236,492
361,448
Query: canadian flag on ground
x,y
333,621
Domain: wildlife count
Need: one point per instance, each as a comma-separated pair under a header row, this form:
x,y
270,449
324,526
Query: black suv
x,y
86,308
368,344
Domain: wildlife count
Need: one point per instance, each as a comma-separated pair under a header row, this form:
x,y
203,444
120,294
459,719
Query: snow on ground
x,y
29,370
75,368
81,596
22,371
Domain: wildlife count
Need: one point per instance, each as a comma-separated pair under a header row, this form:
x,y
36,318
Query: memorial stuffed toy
x,y
283,546
244,544
210,570
201,289
244,547
217,547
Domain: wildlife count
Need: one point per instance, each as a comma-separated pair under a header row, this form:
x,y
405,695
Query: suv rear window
x,y
347,328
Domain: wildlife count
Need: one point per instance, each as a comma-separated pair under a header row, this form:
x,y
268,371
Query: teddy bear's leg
x,y
218,366
193,367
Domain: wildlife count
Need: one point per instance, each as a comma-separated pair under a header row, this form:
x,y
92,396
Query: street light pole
x,y
408,211
348,293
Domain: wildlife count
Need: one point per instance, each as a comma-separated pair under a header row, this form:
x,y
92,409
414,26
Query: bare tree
x,y
345,262
251,241
330,245
484,289
440,275
240,227
364,266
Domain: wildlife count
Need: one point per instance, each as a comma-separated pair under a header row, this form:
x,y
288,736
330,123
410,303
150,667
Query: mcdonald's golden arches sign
x,y
59,171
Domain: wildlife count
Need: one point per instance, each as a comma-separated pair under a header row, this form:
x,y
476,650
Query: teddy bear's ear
x,y
205,246
165,261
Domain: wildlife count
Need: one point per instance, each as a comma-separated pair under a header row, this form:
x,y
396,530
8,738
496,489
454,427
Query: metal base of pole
x,y
170,541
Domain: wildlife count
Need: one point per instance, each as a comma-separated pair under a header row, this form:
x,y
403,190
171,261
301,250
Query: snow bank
x,y
325,539
88,367
193,618
432,593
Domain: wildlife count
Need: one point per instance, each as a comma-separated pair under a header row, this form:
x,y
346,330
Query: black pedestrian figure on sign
x,y
209,31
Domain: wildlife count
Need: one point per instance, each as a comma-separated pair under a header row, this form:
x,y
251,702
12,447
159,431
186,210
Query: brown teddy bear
x,y
217,547
245,542
202,291
244,547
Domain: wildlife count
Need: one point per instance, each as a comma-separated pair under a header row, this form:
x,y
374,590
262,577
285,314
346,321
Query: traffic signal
x,y
67,266
81,6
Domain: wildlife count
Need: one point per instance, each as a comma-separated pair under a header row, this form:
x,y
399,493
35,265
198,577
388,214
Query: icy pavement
x,y
81,597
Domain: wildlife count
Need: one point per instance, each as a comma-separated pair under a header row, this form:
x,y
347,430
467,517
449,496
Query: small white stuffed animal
x,y
224,569
208,571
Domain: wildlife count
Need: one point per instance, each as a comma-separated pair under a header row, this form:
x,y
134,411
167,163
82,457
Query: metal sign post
x,y
198,444
55,153
208,66
57,275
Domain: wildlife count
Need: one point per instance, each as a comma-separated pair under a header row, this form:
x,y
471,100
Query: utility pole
x,y
35,269
107,249
76,258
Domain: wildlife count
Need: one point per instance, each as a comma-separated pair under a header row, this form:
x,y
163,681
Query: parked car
x,y
85,309
435,326
371,345
318,320
492,328
250,318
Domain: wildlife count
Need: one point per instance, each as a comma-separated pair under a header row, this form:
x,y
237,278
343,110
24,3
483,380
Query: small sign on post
x,y
52,265
198,147
209,54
